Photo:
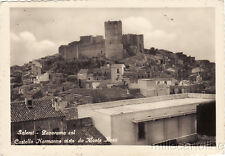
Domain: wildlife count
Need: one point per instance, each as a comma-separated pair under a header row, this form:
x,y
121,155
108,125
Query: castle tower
x,y
113,40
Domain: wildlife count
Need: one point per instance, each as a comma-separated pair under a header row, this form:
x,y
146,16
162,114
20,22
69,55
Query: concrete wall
x,y
83,109
149,88
148,92
126,131
122,128
42,78
170,128
204,96
101,121
113,40
146,84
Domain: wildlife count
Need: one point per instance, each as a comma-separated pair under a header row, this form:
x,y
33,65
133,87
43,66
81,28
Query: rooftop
x,y
151,103
117,65
42,109
85,129
151,106
158,79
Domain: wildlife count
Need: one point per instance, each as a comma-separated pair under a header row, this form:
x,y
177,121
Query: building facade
x,y
148,121
155,87
117,71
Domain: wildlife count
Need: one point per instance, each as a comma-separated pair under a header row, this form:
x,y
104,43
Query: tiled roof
x,y
88,132
85,129
42,108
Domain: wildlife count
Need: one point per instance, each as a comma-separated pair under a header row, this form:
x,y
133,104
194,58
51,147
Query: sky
x,y
38,32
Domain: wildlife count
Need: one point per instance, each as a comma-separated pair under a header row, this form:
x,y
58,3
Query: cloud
x,y
25,47
27,36
136,25
152,37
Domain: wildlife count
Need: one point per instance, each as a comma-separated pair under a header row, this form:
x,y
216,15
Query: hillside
x,y
152,63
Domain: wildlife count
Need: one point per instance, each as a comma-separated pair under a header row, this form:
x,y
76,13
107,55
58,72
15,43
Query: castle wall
x,y
69,52
88,46
133,43
91,46
114,46
113,40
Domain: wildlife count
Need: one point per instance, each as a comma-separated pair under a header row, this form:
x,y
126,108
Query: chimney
x,y
29,103
58,104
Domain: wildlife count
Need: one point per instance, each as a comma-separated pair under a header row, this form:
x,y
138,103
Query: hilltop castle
x,y
115,45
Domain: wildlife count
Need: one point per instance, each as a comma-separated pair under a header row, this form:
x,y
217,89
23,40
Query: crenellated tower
x,y
113,40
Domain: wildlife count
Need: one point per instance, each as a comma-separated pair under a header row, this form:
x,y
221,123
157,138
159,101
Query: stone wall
x,y
88,46
133,43
69,52
114,46
94,48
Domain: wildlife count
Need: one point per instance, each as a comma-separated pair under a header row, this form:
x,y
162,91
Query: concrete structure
x,y
92,84
36,68
147,121
197,70
82,74
117,71
156,86
113,40
42,78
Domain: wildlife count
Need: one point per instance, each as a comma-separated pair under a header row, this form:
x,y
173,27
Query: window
x,y
29,104
141,130
118,71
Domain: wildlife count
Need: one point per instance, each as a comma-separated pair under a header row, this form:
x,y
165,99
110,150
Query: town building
x,y
151,121
82,74
117,71
197,70
34,115
36,67
92,84
156,86
42,78
33,121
